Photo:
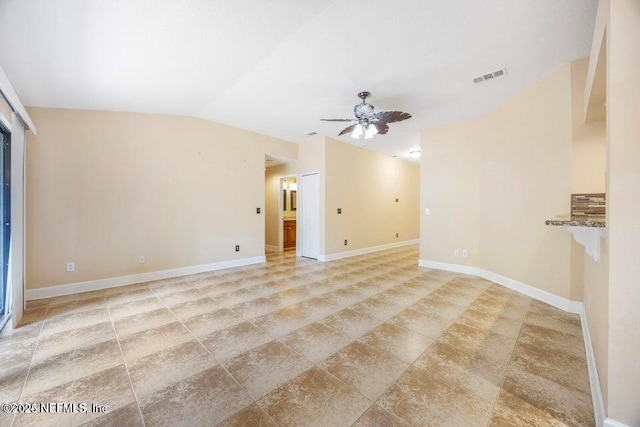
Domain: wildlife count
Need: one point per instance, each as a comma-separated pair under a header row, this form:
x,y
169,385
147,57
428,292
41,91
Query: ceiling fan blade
x,y
338,120
348,130
391,116
382,127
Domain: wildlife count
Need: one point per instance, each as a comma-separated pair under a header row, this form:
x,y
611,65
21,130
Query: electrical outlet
x,y
71,266
339,211
397,200
257,210
237,248
142,259
465,253
345,242
455,252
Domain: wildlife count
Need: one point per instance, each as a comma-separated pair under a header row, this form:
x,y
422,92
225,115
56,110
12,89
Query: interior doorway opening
x,y
289,212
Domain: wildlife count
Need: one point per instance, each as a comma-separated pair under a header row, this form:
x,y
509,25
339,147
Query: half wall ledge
x,y
587,233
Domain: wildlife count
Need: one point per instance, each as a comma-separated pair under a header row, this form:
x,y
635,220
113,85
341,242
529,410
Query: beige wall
x,y
365,185
104,188
491,183
623,123
589,153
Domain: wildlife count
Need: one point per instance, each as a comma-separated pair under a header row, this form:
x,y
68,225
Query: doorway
x,y
289,217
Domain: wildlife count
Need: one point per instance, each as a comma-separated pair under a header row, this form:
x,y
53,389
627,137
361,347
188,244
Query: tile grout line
x,y
33,355
124,361
216,359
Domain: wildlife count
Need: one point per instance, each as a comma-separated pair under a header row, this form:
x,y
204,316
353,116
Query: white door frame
x,y
300,213
281,213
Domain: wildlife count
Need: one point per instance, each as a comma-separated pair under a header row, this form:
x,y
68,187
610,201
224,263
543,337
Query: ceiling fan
x,y
368,122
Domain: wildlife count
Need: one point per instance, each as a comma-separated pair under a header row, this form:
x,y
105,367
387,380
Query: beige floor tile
x,y
252,416
376,416
399,342
554,365
153,340
368,370
320,307
315,398
510,411
550,338
255,308
169,366
74,339
54,371
438,307
351,323
378,308
185,309
273,321
491,322
71,321
107,387
556,322
132,295
236,297
204,399
171,287
450,362
132,308
264,368
488,344
428,324
143,321
182,296
75,306
128,415
282,322
499,308
234,340
422,399
567,405
316,341
204,324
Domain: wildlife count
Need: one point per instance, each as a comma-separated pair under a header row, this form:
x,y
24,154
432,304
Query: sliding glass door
x,y
5,217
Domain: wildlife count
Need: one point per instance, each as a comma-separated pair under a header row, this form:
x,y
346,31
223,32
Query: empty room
x,y
320,213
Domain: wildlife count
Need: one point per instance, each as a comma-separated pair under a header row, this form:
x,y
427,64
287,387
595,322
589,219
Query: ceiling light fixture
x,y
414,154
371,130
357,132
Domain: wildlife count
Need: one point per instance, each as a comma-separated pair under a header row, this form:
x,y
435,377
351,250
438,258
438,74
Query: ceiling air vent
x,y
312,133
489,76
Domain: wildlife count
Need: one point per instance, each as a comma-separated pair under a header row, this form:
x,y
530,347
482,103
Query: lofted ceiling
x,y
278,66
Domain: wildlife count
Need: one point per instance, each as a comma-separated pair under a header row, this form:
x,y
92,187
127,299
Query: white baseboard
x,y
594,379
570,306
533,292
608,422
455,268
112,282
271,248
356,252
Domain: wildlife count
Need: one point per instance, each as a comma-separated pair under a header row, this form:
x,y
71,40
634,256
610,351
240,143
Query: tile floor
x,y
366,341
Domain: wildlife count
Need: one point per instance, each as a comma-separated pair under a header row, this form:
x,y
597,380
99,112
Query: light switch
x,y
427,211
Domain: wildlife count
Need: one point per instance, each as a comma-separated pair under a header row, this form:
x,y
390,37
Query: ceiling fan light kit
x,y
369,123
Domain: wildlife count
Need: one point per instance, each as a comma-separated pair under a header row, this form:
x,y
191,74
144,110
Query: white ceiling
x,y
278,66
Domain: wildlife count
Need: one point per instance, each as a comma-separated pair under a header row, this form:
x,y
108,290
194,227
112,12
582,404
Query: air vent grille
x,y
491,75
312,133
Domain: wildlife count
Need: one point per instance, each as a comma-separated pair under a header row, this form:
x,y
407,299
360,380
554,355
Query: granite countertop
x,y
577,222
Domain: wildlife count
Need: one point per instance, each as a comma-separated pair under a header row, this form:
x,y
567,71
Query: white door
x,y
309,212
